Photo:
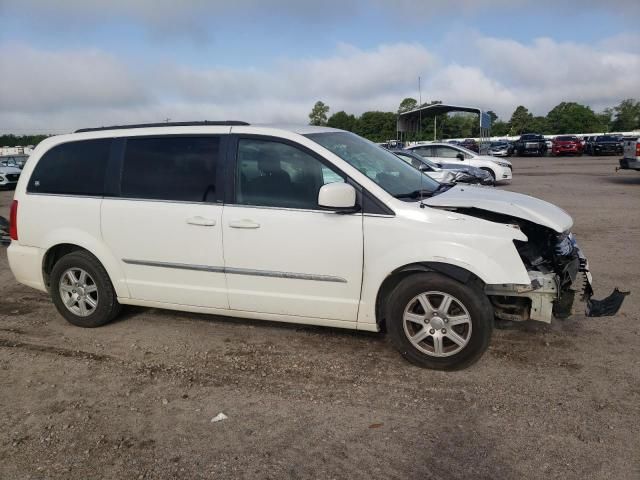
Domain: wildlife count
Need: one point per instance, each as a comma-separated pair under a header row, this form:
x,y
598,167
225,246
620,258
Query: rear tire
x,y
82,291
433,335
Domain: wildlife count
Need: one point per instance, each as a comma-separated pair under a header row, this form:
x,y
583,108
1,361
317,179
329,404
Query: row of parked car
x,y
536,144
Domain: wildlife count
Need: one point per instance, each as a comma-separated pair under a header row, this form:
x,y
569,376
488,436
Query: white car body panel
x,y
305,263
175,233
362,249
502,201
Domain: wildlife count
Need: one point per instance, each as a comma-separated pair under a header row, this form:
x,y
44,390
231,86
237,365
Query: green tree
x,y
571,117
537,125
407,104
342,120
318,115
500,128
492,115
10,140
626,115
377,126
520,120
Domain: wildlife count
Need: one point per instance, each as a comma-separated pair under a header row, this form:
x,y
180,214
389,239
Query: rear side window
x,y
171,168
74,168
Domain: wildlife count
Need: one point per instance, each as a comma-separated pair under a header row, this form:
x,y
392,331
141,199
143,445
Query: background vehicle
x,y
566,144
605,145
9,177
470,144
631,152
460,173
500,170
428,168
501,149
531,144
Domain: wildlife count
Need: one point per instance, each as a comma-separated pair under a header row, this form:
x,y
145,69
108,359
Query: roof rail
x,y
165,124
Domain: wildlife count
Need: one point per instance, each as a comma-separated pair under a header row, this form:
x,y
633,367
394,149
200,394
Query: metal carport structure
x,y
411,121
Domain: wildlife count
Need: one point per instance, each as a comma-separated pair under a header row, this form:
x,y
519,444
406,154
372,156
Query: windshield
x,y
567,138
606,138
383,167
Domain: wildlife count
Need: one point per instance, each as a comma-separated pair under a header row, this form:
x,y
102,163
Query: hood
x,y
7,170
506,203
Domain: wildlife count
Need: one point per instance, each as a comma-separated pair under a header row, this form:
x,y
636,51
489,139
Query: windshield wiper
x,y
416,194
425,193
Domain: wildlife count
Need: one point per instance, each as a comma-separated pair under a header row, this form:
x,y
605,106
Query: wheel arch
x,y
455,272
57,250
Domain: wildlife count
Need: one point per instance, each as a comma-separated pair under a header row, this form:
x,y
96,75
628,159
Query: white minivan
x,y
309,225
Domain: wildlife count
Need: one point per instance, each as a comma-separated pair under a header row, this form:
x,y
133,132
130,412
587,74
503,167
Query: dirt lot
x,y
135,399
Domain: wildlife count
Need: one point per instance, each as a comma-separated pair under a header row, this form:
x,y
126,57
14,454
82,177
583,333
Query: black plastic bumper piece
x,y
607,306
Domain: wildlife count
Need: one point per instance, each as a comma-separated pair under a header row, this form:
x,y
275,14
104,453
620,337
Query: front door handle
x,y
244,223
201,221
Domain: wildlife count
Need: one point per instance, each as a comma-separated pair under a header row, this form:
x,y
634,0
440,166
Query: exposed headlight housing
x,y
503,164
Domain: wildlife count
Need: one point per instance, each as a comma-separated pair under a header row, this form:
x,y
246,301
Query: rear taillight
x,y
638,149
13,221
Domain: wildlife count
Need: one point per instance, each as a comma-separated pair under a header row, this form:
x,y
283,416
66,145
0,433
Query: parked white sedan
x,y
500,170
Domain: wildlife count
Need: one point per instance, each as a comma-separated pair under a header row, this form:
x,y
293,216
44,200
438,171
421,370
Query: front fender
x,y
391,244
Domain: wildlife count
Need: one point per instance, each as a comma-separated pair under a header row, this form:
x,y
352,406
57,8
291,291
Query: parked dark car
x,y
605,145
566,145
470,144
464,173
531,144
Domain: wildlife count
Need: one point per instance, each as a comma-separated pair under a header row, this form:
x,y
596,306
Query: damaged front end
x,y
559,275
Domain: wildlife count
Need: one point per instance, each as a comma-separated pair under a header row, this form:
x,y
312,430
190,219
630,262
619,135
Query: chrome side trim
x,y
179,266
238,271
274,274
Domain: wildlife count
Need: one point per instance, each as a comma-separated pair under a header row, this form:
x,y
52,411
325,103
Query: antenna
x,y
420,106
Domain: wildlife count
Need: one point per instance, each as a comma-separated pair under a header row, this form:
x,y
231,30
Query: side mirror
x,y
338,196
460,156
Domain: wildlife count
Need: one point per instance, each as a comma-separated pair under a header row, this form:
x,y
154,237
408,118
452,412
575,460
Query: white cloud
x,y
64,90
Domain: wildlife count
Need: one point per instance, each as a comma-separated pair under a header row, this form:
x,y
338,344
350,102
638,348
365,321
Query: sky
x,y
69,64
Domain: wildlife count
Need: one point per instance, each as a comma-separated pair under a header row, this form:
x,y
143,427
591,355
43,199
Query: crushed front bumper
x,y
552,295
598,308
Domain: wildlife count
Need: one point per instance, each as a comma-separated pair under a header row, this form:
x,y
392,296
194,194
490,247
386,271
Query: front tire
x,y
439,323
82,291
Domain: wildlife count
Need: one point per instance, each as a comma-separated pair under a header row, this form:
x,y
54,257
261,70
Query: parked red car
x,y
565,145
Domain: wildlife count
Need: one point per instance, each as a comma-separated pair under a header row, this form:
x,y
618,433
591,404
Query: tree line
x,y
566,117
10,140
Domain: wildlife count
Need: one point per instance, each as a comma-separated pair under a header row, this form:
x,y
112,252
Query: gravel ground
x,y
135,399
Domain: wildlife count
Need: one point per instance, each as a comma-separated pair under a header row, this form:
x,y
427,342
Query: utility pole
x,y
166,120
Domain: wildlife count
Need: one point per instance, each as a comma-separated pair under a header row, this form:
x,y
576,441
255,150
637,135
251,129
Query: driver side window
x,y
275,174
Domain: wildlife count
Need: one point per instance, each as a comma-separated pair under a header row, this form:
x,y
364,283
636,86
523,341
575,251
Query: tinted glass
x,y
74,168
447,152
424,151
274,174
567,138
171,168
606,138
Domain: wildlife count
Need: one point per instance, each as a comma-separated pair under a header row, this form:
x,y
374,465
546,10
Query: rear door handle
x,y
201,221
244,223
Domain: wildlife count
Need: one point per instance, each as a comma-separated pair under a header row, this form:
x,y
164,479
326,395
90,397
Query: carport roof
x,y
412,117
